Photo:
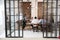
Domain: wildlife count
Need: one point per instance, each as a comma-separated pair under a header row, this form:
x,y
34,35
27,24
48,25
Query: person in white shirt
x,y
33,22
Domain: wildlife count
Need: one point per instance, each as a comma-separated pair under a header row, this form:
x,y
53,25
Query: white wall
x,y
2,19
34,8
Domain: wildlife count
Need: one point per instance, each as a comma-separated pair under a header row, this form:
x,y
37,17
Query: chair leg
x,y
36,29
33,29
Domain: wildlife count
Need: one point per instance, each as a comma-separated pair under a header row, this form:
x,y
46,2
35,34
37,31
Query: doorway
x,y
27,9
40,9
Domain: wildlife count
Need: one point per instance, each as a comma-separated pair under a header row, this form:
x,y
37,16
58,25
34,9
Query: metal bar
x,y
5,19
18,19
14,15
19,15
50,37
43,17
10,17
59,26
15,37
20,7
51,15
23,17
56,17
47,19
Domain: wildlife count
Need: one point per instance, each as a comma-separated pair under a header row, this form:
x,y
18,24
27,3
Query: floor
x,y
28,34
29,39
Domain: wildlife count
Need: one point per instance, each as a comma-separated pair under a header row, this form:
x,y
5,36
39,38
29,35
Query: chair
x,y
35,27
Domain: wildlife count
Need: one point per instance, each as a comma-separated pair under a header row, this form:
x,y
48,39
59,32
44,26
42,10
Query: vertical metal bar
x,y
10,17
59,20
23,17
43,17
47,19
59,25
51,15
19,20
5,18
14,15
56,17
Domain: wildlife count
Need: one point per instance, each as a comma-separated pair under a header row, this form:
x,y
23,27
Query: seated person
x,y
34,23
42,23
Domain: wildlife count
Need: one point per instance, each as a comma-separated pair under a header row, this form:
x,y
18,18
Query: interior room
x,y
30,19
